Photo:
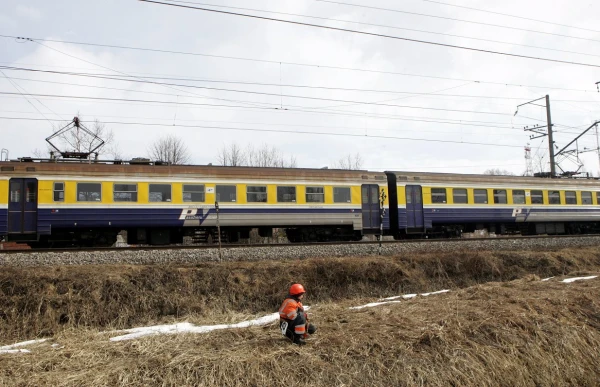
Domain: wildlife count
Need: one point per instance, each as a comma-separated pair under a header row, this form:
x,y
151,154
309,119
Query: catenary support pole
x,y
550,138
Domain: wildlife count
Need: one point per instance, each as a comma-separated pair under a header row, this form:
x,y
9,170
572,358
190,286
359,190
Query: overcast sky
x,y
459,95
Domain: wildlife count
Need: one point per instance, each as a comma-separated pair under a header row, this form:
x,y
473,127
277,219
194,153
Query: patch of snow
x,y
172,329
569,280
388,300
438,292
22,344
374,304
547,279
405,296
14,351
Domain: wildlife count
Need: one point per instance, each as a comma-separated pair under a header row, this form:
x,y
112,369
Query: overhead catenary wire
x,y
509,15
453,19
329,19
146,79
27,99
312,65
334,112
374,34
290,125
290,132
291,96
121,72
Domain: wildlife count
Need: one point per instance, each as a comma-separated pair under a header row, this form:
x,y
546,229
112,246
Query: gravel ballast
x,y
190,256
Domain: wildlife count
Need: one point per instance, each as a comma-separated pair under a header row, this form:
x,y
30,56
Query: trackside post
x,y
218,230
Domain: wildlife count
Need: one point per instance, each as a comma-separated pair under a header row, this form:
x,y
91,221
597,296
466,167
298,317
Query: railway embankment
x,y
507,319
137,256
39,301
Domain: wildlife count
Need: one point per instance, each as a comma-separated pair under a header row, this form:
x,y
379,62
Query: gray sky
x,y
481,86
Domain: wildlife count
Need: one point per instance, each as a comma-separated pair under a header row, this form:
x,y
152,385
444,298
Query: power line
x,y
427,95
290,132
106,117
509,15
453,19
383,26
14,84
142,79
120,72
275,62
323,99
373,34
175,103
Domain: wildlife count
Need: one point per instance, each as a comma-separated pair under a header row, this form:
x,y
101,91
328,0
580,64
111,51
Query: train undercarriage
x,y
107,237
487,229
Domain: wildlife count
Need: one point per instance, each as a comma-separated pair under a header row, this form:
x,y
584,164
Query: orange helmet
x,y
296,290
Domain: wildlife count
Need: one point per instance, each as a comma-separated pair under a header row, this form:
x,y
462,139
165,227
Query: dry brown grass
x,y
499,326
524,332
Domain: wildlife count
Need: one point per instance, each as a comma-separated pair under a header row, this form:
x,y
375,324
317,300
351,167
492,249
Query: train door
x,y
22,209
414,208
370,206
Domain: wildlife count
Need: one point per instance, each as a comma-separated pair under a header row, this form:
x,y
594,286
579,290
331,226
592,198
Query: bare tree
x,y
264,156
350,161
170,149
232,156
498,172
268,156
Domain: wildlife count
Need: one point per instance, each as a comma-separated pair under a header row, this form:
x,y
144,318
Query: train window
x,y
226,193
459,196
316,194
59,192
481,196
518,196
537,197
438,195
586,198
553,197
15,192
159,193
31,192
341,195
500,196
193,192
598,198
374,195
286,194
89,192
570,197
256,194
125,193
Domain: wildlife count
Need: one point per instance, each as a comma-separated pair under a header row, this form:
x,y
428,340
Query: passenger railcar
x,y
48,202
54,203
449,204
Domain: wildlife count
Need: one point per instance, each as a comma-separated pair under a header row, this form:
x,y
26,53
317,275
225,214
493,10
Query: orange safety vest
x,y
289,311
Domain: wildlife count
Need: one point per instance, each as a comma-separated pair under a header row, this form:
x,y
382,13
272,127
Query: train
x,y
49,202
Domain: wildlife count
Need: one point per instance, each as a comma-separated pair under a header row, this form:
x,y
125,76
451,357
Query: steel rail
x,y
308,244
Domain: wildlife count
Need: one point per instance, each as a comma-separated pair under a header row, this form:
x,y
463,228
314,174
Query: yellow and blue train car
x,y
454,203
53,203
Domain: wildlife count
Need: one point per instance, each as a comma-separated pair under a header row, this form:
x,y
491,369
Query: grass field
x,y
499,324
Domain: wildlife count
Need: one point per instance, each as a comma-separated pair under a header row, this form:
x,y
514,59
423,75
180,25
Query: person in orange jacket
x,y
292,317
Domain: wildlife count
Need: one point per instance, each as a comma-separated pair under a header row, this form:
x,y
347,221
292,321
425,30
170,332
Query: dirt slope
x,y
499,325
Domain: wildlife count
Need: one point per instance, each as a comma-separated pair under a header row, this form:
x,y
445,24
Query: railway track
x,y
386,243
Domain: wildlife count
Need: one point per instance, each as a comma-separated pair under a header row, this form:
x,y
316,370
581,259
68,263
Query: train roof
x,y
436,177
112,169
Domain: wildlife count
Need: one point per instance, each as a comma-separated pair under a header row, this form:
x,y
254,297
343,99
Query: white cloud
x,y
171,28
29,12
